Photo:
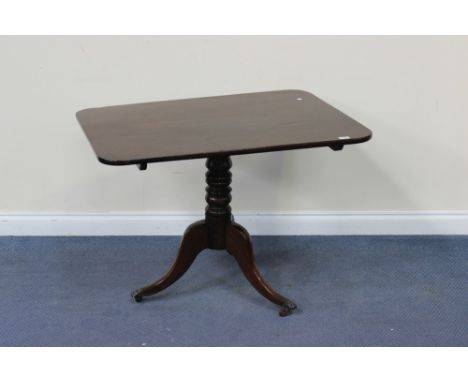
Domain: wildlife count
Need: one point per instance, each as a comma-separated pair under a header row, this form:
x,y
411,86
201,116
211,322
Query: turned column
x,y
218,196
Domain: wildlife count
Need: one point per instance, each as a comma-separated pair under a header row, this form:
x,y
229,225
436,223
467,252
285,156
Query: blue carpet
x,y
350,291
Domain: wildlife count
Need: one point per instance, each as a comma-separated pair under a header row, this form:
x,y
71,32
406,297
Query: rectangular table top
x,y
213,126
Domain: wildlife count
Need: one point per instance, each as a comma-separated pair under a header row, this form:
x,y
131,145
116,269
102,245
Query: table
x,y
217,128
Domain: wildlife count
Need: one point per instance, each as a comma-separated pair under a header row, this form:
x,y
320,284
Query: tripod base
x,y
238,244
217,231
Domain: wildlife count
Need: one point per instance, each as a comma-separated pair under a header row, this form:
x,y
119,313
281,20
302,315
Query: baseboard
x,y
427,223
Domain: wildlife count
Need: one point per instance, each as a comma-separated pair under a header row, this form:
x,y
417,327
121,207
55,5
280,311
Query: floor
x,y
350,291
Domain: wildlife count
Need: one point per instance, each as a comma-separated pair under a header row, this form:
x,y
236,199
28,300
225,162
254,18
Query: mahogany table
x,y
217,128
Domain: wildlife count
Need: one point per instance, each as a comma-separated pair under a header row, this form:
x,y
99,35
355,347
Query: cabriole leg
x,y
240,246
194,241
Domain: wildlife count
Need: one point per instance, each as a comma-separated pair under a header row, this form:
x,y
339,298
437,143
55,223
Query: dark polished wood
x,y
194,241
217,126
218,196
217,231
239,245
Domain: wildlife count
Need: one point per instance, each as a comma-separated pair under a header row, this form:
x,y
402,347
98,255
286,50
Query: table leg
x,y
193,242
239,245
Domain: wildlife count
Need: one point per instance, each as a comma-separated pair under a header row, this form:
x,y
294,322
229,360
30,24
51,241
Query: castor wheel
x,y
287,308
136,295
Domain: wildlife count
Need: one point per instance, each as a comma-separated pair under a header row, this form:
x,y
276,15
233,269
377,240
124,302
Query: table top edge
x,y
287,147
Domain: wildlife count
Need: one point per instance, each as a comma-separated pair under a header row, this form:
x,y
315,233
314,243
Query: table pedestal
x,y
217,231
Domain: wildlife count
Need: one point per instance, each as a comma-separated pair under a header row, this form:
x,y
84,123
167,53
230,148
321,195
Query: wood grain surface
x,y
217,126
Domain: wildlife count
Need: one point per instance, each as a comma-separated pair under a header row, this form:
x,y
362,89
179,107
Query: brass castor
x,y
288,308
136,295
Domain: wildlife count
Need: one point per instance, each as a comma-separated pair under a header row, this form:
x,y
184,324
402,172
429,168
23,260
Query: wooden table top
x,y
214,126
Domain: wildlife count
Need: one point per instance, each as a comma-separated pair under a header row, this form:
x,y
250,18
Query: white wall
x,y
411,91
